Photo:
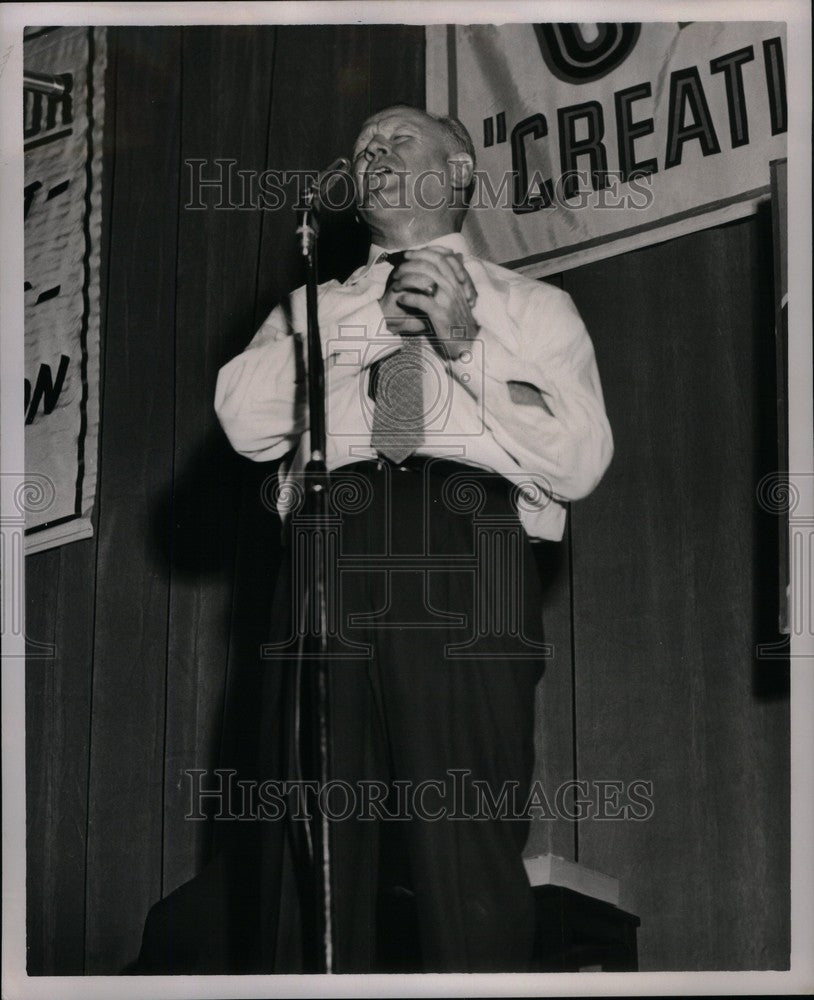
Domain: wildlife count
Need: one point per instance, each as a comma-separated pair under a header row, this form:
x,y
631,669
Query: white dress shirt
x,y
525,401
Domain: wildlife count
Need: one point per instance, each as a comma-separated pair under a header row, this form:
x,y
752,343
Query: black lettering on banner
x,y
776,84
62,103
571,148
536,127
49,293
572,58
32,113
731,66
29,191
686,91
58,189
46,389
627,131
489,132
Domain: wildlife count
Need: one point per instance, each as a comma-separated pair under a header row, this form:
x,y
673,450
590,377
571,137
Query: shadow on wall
x,y
222,545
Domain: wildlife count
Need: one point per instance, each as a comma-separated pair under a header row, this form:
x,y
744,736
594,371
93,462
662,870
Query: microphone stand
x,y
314,645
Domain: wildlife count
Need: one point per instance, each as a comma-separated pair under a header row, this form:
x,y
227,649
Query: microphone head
x,y
340,165
328,179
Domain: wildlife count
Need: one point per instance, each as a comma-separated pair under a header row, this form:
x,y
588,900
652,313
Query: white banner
x,y
596,139
63,117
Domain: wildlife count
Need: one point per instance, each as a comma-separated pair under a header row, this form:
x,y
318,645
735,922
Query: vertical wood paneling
x,y
227,86
302,136
125,809
60,611
396,67
42,595
554,725
666,560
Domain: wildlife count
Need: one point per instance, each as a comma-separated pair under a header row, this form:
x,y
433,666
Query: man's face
x,y
395,149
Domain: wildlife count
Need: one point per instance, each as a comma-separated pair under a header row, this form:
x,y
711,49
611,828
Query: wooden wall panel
x,y
396,67
125,807
303,137
60,611
668,559
554,724
41,740
226,95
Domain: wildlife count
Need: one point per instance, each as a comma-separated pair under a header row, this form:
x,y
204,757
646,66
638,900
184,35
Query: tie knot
x,y
394,257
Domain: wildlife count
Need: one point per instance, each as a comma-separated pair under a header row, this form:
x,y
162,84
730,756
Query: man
x,y
462,402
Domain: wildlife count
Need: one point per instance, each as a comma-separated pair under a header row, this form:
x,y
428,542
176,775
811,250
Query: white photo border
x,y
800,977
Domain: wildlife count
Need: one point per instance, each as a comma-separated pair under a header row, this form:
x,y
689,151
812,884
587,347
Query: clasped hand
x,y
432,293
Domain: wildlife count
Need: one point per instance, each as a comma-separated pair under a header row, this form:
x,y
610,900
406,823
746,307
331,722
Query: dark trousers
x,y
438,648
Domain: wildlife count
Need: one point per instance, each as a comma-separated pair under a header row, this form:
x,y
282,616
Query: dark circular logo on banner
x,y
574,59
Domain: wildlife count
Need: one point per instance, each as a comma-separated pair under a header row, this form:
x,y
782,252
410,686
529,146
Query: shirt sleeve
x,y
543,401
261,395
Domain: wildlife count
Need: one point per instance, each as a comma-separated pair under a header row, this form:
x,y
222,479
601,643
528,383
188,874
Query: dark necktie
x,y
398,414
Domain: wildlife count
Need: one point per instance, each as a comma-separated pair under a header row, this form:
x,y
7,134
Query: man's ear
x,y
461,169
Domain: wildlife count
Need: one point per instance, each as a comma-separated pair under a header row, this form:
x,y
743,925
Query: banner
x,y
596,139
63,97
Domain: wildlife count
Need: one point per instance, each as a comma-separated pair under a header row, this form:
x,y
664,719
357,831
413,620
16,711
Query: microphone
x,y
328,179
341,165
316,192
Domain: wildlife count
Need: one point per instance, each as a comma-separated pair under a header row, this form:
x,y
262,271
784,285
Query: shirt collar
x,y
453,241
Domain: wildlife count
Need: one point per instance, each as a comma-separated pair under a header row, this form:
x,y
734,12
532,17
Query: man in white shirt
x,y
464,407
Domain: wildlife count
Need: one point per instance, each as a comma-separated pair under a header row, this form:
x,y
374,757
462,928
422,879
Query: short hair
x,y
461,139
458,133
